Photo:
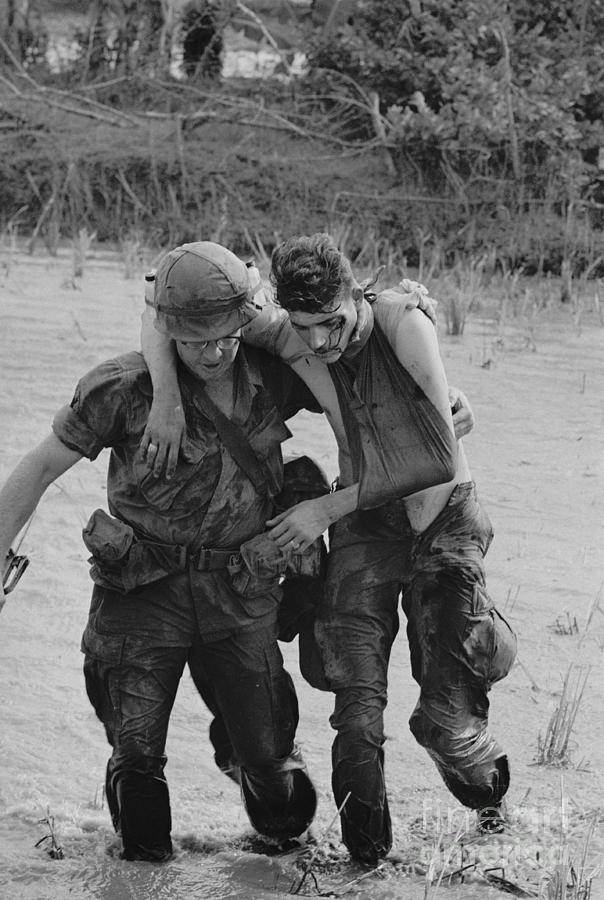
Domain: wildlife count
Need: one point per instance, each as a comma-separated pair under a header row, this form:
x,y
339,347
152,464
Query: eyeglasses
x,y
224,343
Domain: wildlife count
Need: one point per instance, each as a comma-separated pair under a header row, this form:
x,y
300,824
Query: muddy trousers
x,y
301,597
459,646
132,679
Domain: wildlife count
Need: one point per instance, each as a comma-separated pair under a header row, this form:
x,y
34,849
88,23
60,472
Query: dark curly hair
x,y
308,272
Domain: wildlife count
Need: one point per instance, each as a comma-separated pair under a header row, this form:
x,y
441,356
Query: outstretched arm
x,y
165,429
25,486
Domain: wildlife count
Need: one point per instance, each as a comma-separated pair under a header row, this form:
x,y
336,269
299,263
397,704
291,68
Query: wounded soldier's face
x,y
328,332
208,352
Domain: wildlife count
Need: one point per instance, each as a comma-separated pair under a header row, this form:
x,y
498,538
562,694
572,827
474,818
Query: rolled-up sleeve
x,y
97,416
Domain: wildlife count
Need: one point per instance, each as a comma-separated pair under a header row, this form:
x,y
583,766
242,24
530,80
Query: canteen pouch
x,y
108,539
122,563
263,566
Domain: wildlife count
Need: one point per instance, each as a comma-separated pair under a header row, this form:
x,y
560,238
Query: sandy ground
x,y
537,456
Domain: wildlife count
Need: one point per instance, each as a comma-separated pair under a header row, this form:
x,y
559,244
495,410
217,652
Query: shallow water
x,y
87,871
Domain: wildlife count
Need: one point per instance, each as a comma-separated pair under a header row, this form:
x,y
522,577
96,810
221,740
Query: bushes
x,y
427,128
166,176
496,108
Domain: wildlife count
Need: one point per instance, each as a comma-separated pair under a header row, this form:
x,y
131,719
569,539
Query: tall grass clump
x,y
81,244
554,748
569,878
461,288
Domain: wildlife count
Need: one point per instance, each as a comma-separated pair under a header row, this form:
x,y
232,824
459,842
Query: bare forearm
x,y
160,357
18,499
26,484
340,503
166,425
305,522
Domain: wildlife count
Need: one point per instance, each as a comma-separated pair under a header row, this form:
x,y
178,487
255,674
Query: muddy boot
x,y
490,820
485,798
366,831
140,808
280,820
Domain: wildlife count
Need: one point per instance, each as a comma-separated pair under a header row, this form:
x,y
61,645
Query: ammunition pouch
x,y
122,562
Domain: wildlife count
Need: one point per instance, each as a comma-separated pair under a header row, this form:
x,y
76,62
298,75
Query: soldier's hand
x,y
419,298
463,417
297,528
163,437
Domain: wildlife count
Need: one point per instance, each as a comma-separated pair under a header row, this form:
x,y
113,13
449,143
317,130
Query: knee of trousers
x,y
453,745
131,758
358,736
425,732
359,712
464,741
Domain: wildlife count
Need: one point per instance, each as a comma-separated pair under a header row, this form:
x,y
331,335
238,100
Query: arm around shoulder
x,y
160,356
166,424
271,330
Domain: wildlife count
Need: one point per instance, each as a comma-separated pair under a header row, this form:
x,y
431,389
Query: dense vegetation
x,y
423,129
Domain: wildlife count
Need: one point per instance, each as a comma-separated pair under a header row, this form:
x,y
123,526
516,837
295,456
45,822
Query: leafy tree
x,y
494,105
490,87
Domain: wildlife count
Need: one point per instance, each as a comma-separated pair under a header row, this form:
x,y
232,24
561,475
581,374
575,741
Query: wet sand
x,y
537,455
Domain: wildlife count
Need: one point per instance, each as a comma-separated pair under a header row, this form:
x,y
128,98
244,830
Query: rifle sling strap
x,y
236,443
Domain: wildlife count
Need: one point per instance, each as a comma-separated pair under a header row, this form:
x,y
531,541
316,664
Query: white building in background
x,y
243,56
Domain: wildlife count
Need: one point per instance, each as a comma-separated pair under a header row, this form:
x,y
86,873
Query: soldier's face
x,y
328,333
208,353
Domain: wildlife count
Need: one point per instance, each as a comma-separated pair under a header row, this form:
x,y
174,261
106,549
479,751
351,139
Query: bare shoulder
x,y
406,327
412,336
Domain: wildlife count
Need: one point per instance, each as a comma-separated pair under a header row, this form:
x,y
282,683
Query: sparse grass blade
x,y
554,748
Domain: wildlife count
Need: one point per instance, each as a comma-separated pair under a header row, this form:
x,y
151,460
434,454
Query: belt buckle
x,y
200,559
234,563
204,559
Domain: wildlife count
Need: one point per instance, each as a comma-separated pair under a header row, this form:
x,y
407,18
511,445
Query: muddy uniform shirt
x,y
210,501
